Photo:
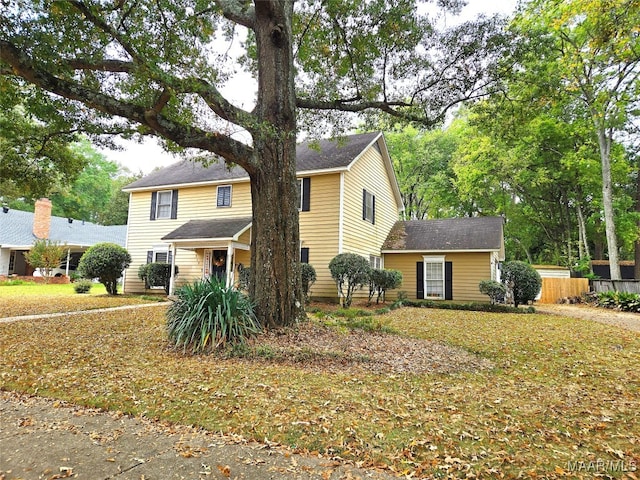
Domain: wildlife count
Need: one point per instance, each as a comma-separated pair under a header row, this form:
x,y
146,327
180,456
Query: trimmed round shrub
x,y
350,271
156,274
207,315
495,290
381,280
82,286
522,282
106,262
308,276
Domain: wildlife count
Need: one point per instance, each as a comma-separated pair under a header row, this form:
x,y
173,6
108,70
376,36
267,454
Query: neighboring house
x,y
19,230
446,259
199,217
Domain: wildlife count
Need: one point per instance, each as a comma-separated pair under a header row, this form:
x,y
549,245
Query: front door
x,y
219,264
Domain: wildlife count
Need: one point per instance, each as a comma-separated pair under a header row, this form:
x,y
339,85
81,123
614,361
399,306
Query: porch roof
x,y
216,229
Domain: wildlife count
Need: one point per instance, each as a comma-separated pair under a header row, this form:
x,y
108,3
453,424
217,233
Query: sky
x,y
144,157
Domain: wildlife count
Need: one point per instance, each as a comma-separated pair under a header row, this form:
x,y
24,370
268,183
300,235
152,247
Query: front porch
x,y
222,244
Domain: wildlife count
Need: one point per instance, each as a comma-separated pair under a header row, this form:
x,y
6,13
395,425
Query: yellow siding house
x,y
199,218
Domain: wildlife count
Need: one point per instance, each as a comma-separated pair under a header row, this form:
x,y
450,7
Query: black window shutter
x,y
448,281
174,204
154,200
373,209
149,256
364,204
170,257
420,280
304,255
306,194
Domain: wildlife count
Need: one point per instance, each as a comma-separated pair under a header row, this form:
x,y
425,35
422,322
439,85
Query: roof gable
x,y
452,234
311,156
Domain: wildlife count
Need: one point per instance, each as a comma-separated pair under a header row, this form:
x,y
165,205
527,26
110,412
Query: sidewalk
x,y
47,439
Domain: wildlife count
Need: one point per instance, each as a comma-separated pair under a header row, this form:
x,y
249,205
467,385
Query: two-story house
x,y
199,217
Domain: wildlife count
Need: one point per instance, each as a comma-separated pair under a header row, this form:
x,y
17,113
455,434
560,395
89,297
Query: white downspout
x,y
341,215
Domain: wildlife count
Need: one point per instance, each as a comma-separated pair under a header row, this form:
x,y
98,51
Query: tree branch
x,y
238,11
187,136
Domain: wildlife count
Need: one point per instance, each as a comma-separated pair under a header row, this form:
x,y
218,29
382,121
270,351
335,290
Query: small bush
x,y
156,274
522,282
82,286
472,306
106,262
382,280
207,316
350,271
308,275
626,302
495,290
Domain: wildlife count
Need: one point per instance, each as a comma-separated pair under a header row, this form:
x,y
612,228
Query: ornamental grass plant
x,y
207,316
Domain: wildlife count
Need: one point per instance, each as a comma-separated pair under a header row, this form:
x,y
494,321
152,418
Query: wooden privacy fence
x,y
629,286
553,289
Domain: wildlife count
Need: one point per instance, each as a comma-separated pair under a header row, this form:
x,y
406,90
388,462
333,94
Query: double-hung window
x,y
368,206
163,208
375,262
224,196
434,277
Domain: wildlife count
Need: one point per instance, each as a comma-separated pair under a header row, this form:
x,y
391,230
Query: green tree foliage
x,y
351,272
381,280
116,210
522,282
157,67
423,162
106,262
35,142
46,255
89,194
593,54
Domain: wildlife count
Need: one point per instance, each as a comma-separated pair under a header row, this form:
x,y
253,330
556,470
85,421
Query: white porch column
x,y
172,280
229,264
66,272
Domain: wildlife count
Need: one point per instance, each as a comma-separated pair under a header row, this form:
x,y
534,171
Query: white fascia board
x,y
186,185
237,235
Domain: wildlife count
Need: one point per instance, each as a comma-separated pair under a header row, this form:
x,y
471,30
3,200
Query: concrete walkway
x,y
79,312
47,439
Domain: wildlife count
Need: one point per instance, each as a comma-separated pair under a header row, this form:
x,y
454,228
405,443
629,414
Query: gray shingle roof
x,y
310,156
209,229
476,233
16,230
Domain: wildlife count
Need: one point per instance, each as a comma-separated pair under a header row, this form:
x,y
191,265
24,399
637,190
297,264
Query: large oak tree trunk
x,y
275,237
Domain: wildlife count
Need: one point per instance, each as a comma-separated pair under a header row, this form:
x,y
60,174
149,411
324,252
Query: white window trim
x,y
230,187
301,191
376,261
158,216
433,259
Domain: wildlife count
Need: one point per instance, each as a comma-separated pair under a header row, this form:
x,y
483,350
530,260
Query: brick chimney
x,y
42,218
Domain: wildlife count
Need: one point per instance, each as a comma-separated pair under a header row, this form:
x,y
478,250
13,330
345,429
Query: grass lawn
x,y
561,400
38,298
